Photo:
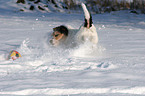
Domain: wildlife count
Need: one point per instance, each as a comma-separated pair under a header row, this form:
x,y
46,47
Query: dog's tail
x,y
88,18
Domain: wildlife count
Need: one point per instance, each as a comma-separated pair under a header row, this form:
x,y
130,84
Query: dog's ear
x,y
64,30
54,29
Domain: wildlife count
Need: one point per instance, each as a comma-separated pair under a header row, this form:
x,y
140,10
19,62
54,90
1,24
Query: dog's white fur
x,y
81,35
85,34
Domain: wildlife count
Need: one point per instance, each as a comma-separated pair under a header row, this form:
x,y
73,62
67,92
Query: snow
x,y
115,67
54,91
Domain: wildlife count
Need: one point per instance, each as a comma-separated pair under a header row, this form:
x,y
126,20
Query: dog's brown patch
x,y
57,35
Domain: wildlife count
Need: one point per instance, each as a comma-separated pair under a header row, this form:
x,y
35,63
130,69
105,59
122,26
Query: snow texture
x,y
115,67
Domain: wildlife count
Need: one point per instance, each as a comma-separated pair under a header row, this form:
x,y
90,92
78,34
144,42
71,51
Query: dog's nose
x,y
51,41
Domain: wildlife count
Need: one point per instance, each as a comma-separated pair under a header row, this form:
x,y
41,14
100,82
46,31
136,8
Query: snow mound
x,y
142,23
51,59
2,57
60,92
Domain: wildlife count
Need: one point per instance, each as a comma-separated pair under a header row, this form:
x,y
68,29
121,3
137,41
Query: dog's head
x,y
59,35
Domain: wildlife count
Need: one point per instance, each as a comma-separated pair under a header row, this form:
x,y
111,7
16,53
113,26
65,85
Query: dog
x,y
63,35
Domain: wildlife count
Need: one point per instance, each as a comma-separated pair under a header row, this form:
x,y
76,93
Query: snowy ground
x,y
114,68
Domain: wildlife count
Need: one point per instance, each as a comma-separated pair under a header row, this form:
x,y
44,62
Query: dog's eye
x,y
56,35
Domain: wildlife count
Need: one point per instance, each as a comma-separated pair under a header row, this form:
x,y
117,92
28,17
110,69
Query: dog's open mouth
x,y
54,42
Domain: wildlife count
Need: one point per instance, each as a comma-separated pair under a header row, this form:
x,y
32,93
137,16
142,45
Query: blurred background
x,y
95,6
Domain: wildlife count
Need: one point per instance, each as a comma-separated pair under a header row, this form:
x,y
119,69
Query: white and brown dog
x,y
63,35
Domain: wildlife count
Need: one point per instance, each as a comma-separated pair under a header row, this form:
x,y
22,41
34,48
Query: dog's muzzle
x,y
54,42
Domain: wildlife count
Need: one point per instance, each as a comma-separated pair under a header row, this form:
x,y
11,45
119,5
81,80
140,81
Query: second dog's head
x,y
59,35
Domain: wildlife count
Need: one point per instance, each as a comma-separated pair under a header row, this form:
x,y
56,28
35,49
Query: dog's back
x,y
87,31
